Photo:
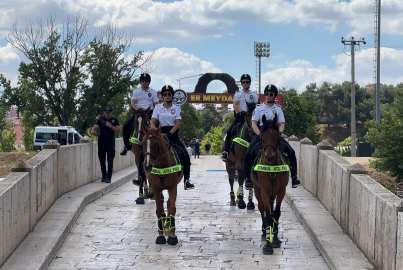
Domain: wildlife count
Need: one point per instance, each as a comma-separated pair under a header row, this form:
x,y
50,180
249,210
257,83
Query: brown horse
x,y
164,173
140,124
234,163
270,179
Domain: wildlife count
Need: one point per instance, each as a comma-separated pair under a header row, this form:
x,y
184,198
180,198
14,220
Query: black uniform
x,y
106,144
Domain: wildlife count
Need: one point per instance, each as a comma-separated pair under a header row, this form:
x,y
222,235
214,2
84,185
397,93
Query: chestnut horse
x,y
234,163
164,172
140,123
270,179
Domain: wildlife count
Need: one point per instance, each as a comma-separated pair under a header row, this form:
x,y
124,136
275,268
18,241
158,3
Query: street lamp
x,y
262,49
179,80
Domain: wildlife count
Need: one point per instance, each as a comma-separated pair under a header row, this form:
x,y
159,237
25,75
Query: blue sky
x,y
198,36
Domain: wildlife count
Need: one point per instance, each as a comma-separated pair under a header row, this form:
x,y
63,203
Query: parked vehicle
x,y
64,135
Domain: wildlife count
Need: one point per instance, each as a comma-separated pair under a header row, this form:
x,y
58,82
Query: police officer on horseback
x,y
142,98
241,98
269,109
169,117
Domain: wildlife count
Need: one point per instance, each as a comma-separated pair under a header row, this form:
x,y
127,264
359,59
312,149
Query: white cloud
x,y
170,64
192,19
9,62
300,73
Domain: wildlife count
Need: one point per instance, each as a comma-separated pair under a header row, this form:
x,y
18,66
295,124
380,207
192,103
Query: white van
x,y
64,135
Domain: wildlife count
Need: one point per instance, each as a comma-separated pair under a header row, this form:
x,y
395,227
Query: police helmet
x,y
272,88
145,76
167,88
246,76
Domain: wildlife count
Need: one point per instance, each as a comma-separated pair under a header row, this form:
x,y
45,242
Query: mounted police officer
x,y
241,98
267,109
143,98
169,116
108,126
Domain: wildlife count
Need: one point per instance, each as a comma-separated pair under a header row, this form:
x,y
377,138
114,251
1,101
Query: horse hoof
x,y
268,249
232,203
160,240
250,206
276,242
241,204
140,200
172,240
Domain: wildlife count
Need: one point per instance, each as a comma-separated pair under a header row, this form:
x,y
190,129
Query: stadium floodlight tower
x,y
262,49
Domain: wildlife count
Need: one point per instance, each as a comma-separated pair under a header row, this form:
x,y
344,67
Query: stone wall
x,y
369,213
33,186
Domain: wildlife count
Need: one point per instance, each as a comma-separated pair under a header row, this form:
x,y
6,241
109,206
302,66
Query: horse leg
x,y
173,192
149,192
260,206
161,218
228,166
250,205
276,217
240,177
268,220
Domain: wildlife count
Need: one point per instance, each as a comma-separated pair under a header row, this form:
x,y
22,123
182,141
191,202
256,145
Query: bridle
x,y
155,161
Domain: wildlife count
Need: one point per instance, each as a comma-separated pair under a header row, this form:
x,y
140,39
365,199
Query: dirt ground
x,y
383,178
8,160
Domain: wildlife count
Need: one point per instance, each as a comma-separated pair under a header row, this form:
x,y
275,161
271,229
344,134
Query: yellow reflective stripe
x,y
265,168
241,142
134,140
270,239
225,137
168,170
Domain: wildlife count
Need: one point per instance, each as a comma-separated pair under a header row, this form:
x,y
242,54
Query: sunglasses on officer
x,y
144,81
167,94
245,82
268,94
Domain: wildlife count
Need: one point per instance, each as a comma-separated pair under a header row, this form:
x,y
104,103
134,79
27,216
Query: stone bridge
x,y
56,214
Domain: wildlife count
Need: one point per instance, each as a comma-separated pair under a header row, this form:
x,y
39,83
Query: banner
x,y
218,98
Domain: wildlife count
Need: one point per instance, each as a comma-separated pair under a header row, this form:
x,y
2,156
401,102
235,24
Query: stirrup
x,y
224,156
137,182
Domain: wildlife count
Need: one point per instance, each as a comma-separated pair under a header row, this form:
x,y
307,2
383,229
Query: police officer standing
x,y
142,98
108,126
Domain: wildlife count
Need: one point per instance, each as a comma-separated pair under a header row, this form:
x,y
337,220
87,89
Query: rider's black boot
x,y
189,185
123,152
224,156
103,178
295,182
138,181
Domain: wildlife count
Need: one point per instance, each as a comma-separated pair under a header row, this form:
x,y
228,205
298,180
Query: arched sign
x,y
200,94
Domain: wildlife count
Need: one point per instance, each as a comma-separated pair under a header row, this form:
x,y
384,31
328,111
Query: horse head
x,y
153,147
248,116
270,133
140,121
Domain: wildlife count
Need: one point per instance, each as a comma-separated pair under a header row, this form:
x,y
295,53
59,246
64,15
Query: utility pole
x,y
377,61
352,43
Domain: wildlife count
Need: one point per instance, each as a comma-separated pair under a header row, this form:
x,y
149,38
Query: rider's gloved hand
x,y
169,135
281,133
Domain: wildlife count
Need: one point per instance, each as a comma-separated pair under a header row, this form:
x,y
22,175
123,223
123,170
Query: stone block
x,y
325,145
293,138
305,141
1,230
51,144
387,207
21,166
399,253
86,139
308,167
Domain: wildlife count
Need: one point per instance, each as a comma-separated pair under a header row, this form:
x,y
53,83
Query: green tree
x,y
229,118
73,76
299,116
210,117
190,121
28,123
387,137
214,136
